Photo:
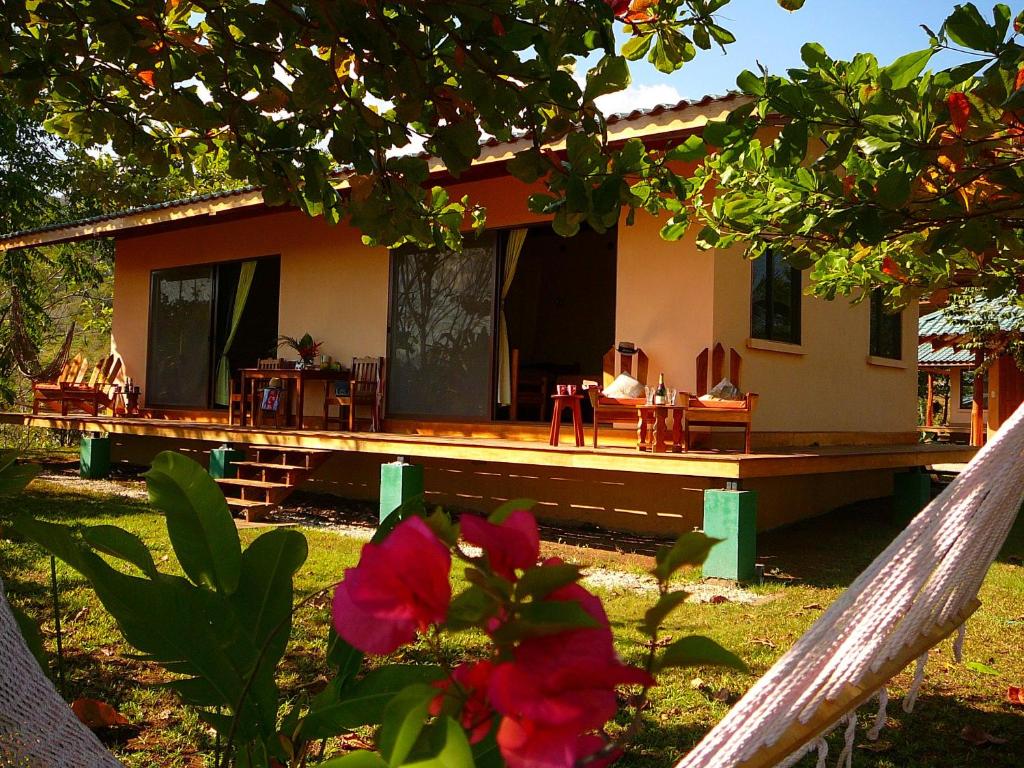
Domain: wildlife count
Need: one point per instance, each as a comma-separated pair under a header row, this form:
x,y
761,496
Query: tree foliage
x,y
879,176
295,92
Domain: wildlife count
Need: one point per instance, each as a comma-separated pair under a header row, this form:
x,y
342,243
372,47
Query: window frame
x,y
967,403
771,260
878,316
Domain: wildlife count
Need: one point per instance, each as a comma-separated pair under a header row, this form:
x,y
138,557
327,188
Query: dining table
x,y
296,378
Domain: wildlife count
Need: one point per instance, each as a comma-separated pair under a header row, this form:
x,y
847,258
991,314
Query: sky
x,y
766,33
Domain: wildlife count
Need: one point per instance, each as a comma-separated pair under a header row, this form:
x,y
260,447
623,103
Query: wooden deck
x,y
484,445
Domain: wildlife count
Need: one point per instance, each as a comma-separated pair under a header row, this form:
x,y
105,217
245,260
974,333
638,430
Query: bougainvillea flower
x,y
557,689
400,587
515,543
468,684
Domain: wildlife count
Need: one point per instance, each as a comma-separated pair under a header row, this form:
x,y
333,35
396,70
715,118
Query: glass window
x,y
967,379
440,339
774,299
886,330
180,317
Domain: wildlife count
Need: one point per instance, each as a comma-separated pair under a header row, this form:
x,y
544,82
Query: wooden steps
x,y
267,477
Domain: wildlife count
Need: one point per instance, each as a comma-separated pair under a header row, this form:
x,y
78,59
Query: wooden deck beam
x,y
708,464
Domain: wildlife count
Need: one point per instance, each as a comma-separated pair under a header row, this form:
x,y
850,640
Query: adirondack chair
x,y
717,413
47,394
365,388
100,391
624,358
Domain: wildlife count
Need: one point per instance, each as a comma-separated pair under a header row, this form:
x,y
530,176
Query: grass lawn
x,y
812,562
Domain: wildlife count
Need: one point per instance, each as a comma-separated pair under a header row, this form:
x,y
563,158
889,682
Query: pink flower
x,y
515,543
400,587
468,684
558,689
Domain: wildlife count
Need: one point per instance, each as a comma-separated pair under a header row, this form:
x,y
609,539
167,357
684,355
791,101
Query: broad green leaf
x,y
263,599
199,524
345,658
119,543
361,759
363,703
750,83
548,617
404,718
500,515
637,46
470,608
610,75
541,580
792,5
689,150
966,26
697,651
448,746
30,634
905,69
689,549
894,187
984,669
528,166
655,615
14,477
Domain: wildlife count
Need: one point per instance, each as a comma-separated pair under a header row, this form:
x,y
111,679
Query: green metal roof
x,y
944,357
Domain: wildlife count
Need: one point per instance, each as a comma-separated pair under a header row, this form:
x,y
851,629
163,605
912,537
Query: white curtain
x,y
513,247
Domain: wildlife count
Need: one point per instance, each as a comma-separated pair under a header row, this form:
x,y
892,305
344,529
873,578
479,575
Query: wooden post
x,y
928,400
978,402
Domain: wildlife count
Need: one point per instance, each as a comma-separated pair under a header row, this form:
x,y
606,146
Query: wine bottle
x,y
661,393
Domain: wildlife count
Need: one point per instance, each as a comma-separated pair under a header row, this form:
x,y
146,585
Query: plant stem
x,y
56,624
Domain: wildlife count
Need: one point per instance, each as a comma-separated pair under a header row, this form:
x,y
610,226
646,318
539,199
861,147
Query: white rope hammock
x,y
37,727
921,589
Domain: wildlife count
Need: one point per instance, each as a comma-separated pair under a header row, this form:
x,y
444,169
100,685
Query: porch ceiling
x,y
706,464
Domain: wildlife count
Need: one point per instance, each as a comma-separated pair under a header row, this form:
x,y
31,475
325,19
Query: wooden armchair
x,y
100,391
624,358
529,388
48,393
365,388
717,413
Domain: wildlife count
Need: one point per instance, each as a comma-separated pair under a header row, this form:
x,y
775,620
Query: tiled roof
x,y
636,114
939,326
929,357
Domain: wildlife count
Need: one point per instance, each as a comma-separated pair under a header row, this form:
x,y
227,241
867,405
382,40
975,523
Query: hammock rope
x,y
919,591
24,351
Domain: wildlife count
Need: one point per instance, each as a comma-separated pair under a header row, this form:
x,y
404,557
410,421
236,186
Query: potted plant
x,y
306,348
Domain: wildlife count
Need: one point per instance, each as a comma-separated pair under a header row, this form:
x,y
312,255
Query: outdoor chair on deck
x,y
99,393
624,358
48,393
530,388
365,389
706,411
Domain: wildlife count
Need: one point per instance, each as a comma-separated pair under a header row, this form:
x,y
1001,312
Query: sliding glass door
x,y
442,331
180,337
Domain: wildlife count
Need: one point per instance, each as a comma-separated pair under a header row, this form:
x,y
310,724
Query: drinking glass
x,y
649,394
672,397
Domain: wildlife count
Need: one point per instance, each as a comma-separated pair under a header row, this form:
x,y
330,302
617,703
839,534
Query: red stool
x,y
561,402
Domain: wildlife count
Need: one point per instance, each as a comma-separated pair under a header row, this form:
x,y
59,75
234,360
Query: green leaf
x,y
500,515
470,608
343,657
689,549
984,669
404,718
528,166
688,151
14,477
966,26
541,580
750,83
199,523
697,651
656,615
263,599
610,75
30,633
894,187
448,746
792,5
637,46
364,702
361,759
905,69
548,617
119,543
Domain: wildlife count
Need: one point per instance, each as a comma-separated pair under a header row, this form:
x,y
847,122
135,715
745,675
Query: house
x,y
947,348
837,381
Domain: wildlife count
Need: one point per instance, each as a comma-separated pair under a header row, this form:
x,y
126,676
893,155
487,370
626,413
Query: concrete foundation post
x,y
731,515
399,482
94,457
222,461
912,491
